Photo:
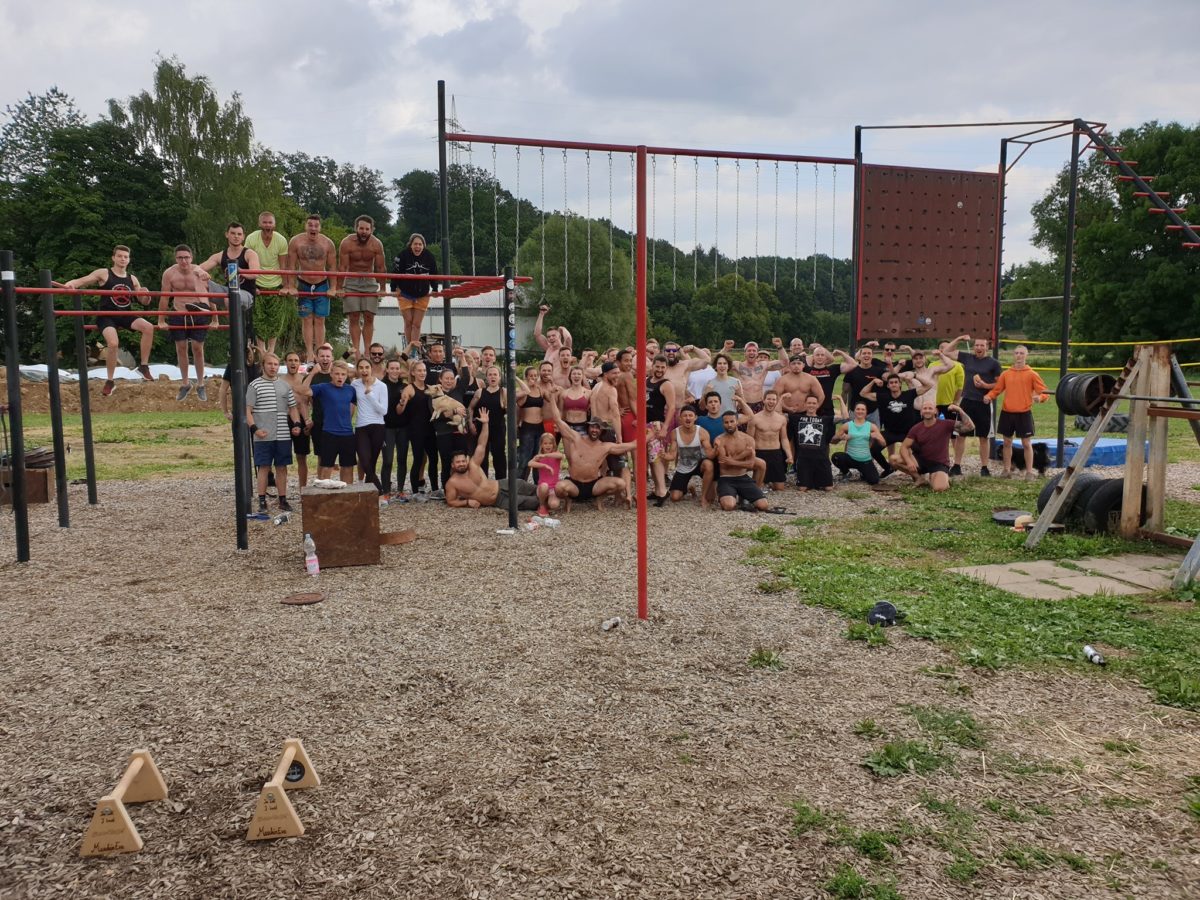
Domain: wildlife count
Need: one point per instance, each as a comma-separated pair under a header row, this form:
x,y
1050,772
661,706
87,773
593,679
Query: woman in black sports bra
x,y
417,406
529,418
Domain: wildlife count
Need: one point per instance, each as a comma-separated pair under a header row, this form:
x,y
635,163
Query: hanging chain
x,y
471,200
517,246
495,210
566,224
756,174
610,222
816,190
674,219
796,228
542,154
775,248
632,221
588,215
832,228
653,219
696,223
737,221
716,215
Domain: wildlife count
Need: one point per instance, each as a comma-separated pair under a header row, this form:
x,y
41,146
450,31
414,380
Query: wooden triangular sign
x,y
111,830
300,774
148,783
274,816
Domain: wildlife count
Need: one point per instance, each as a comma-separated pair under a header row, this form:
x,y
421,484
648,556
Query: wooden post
x,y
1131,501
111,829
274,815
1156,472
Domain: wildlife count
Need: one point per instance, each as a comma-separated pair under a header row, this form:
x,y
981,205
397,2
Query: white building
x,y
476,321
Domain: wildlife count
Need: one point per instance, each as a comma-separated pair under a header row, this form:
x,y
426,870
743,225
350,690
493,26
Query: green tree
x,y
98,189
332,189
1039,319
1133,279
597,316
25,136
734,309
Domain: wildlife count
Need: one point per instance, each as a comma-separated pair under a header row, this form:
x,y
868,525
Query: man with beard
x,y
858,374
980,372
660,416
897,413
753,371
925,453
735,458
681,364
313,254
691,451
469,487
588,457
236,252
272,250
361,252
794,387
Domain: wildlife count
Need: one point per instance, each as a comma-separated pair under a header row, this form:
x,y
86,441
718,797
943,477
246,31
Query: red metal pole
x,y
639,481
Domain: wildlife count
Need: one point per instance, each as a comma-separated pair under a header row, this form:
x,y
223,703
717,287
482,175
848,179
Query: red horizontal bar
x,y
1116,162
1178,227
173,327
1156,193
93,292
134,313
496,280
1191,245
1145,178
653,151
1158,210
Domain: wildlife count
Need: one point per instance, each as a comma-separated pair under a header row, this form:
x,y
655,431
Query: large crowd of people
x,y
429,421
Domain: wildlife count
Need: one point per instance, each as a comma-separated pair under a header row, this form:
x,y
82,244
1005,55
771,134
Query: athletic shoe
x,y
145,370
439,494
262,504
984,473
1029,476
183,392
284,506
201,393
109,387
956,469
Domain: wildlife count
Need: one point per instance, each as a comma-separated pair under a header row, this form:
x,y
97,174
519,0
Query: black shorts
x,y
188,328
742,487
301,444
585,488
776,462
980,414
337,449
680,480
813,469
1018,424
617,464
894,437
924,468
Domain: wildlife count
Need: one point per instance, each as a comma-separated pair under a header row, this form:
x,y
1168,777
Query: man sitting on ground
x,y
925,453
735,456
469,486
588,457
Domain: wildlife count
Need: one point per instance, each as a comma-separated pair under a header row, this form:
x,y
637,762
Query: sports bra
x,y
579,405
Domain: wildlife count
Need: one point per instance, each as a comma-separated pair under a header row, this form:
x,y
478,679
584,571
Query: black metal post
x,y
56,416
1003,188
85,402
510,362
855,262
237,402
16,450
1068,283
1180,386
444,184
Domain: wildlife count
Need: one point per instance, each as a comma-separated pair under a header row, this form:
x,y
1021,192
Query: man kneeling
x,y
925,453
735,460
469,486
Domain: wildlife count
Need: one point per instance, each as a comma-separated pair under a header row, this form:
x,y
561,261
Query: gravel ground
x,y
478,735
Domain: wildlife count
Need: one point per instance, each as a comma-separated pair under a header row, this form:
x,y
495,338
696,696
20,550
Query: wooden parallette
x,y
111,829
274,815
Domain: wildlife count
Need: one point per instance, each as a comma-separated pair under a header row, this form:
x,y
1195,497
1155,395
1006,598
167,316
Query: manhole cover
x,y
305,599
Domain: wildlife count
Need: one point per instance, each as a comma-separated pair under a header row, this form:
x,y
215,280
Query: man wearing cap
x,y
753,371
588,459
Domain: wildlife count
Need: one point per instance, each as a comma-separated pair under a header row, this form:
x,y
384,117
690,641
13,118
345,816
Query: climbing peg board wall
x,y
928,240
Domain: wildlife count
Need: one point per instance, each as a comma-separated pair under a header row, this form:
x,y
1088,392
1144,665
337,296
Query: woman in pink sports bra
x,y
548,464
575,400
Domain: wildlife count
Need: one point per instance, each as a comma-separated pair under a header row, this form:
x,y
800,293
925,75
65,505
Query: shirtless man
x,y
118,278
562,370
554,340
735,459
681,364
186,330
626,394
605,405
361,252
302,441
753,371
769,430
660,416
588,458
794,387
469,487
312,253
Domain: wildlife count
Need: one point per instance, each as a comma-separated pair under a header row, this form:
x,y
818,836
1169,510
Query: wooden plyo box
x,y
344,524
39,486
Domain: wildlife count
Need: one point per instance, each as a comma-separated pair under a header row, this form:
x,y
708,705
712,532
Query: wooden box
x,y
344,524
39,486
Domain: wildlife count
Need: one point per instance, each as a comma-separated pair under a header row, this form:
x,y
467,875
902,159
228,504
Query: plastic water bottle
x,y
311,565
1093,655
281,519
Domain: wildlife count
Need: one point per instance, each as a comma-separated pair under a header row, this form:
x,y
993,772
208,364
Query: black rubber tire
x,y
1082,481
1089,391
1063,394
1102,512
1082,496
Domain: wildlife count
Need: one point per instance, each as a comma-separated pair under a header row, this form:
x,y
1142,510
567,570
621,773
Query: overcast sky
x,y
357,82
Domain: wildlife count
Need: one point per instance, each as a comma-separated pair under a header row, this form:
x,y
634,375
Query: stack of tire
x,y
1082,394
1093,504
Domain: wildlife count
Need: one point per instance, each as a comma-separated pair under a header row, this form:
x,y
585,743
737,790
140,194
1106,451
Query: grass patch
x,y
1122,746
1077,862
773,586
903,758
872,635
868,728
966,865
1191,806
805,818
953,725
844,567
1008,811
1027,858
764,534
955,815
766,658
847,883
